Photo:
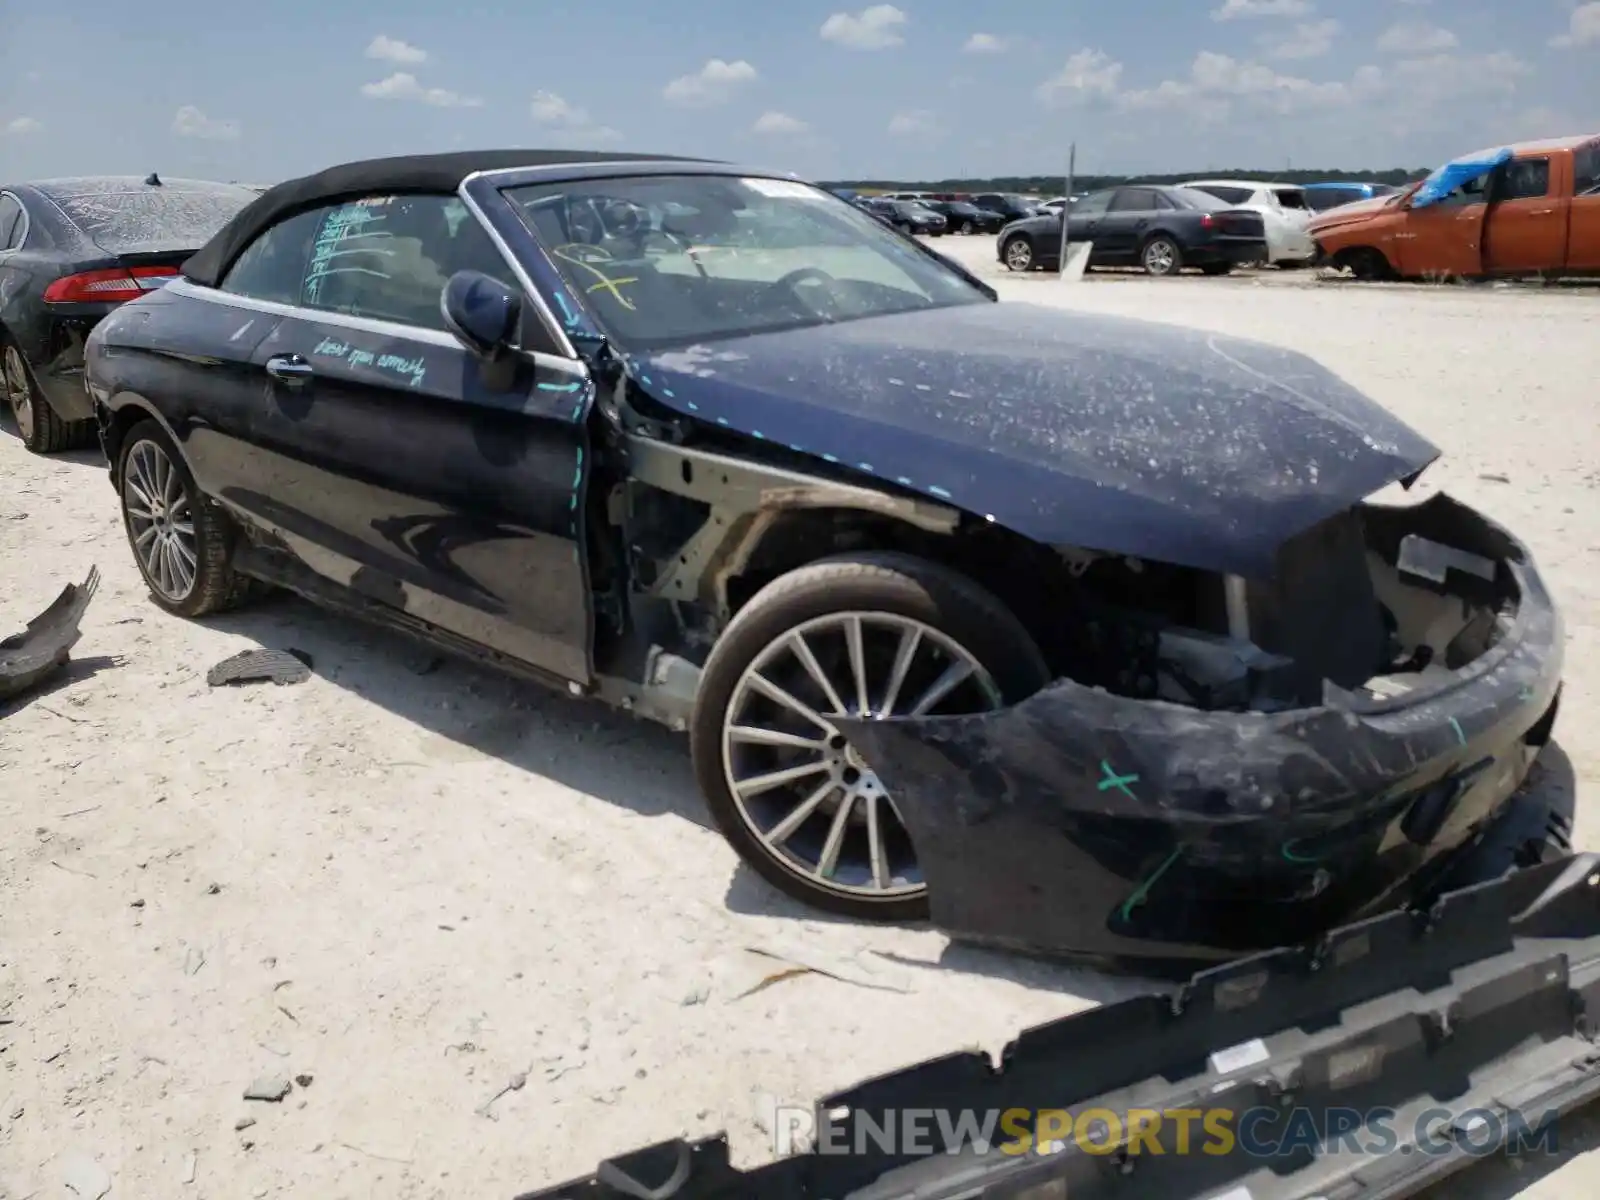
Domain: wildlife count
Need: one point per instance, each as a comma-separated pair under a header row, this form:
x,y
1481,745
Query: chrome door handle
x,y
290,368
1542,212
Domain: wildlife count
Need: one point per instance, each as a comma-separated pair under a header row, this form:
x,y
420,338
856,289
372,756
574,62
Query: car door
x,y
1583,223
1126,223
389,462
1442,239
1083,222
1525,228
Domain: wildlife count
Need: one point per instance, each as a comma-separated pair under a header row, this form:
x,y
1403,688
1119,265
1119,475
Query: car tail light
x,y
1206,222
108,287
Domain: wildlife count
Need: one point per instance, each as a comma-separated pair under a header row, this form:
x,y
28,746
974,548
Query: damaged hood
x,y
1106,433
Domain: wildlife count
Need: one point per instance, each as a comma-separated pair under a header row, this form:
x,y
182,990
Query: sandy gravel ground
x,y
409,882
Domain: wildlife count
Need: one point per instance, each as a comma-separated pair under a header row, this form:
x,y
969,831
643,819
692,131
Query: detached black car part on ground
x,y
1074,632
1462,1029
71,250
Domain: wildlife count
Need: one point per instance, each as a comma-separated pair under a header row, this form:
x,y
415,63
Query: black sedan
x,y
1162,229
1074,631
962,216
908,216
71,250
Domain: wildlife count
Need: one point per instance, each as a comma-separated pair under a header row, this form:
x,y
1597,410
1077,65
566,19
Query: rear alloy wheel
x,y
966,227
875,634
1161,256
1018,254
181,540
38,425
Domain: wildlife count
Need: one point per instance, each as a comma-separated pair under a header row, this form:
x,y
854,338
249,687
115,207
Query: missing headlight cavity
x,y
1359,602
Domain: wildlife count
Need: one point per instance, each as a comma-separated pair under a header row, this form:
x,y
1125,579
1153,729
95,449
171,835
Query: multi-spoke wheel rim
x,y
18,394
1019,255
798,784
160,521
1159,257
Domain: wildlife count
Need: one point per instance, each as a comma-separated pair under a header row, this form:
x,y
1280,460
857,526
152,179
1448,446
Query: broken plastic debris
x,y
260,666
43,648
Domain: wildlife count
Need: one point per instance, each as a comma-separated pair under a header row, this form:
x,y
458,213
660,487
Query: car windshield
x,y
664,260
181,215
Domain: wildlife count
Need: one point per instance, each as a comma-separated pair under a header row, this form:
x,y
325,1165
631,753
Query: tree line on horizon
x,y
1031,184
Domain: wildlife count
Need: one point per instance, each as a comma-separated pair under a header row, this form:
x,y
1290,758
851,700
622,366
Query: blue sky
x,y
917,89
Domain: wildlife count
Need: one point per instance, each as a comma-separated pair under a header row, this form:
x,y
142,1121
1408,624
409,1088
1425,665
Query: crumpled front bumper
x,y
1086,823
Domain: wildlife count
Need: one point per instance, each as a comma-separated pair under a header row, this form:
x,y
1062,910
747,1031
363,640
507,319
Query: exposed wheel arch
x,y
1364,262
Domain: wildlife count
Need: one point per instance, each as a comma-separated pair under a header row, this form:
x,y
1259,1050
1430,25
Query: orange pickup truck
x,y
1527,209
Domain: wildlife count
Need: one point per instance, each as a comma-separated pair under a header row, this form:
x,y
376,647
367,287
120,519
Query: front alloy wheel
x,y
799,783
861,637
1019,254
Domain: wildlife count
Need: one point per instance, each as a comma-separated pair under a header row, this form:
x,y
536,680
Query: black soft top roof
x,y
376,176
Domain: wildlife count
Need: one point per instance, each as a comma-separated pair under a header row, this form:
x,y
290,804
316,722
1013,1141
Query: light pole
x,y
1066,209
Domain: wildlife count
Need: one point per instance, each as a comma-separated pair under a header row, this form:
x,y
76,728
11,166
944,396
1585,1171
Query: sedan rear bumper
x,y
1088,823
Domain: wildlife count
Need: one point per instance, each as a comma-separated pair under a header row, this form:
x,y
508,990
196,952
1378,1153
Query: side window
x,y
1228,195
1134,200
1093,205
1164,204
273,267
1524,179
388,257
1586,170
1471,192
10,223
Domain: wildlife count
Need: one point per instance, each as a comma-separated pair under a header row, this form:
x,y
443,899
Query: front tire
x,y
885,634
1017,253
181,539
41,428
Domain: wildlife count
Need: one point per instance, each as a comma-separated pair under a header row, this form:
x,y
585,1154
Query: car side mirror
x,y
484,315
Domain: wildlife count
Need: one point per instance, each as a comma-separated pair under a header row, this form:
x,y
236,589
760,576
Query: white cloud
x,y
984,43
876,28
1088,74
1583,27
1216,81
1308,39
21,125
1416,37
917,122
189,121
713,83
1233,10
403,85
389,49
778,123
568,124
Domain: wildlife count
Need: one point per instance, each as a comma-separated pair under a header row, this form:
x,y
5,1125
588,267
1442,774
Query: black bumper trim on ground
x,y
1490,999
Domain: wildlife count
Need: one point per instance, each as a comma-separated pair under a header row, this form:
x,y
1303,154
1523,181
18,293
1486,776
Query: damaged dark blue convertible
x,y
1075,634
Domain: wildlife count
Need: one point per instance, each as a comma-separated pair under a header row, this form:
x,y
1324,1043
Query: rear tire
x,y
163,506
879,603
41,428
1161,256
